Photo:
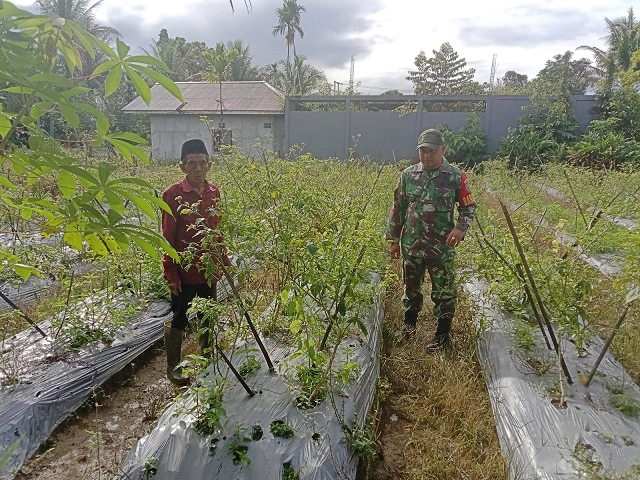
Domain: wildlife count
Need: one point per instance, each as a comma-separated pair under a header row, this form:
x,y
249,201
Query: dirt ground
x,y
93,442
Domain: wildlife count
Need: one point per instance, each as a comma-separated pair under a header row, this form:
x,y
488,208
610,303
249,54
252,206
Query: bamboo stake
x,y
536,292
533,304
575,197
254,332
235,372
15,307
607,344
518,273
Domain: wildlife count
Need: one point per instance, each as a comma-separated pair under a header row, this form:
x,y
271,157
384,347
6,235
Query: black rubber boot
x,y
441,340
173,347
410,320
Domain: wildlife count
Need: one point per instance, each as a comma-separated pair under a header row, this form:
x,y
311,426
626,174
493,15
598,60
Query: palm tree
x,y
272,74
304,77
183,58
81,12
289,23
622,40
218,63
241,68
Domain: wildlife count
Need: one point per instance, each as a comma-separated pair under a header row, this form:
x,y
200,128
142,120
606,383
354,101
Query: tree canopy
x,y
443,74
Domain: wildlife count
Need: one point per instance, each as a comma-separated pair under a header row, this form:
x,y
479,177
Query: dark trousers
x,y
180,303
443,287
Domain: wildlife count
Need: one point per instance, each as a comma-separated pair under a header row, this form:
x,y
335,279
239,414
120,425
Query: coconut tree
x,y
622,40
82,12
218,64
272,74
241,68
289,23
304,77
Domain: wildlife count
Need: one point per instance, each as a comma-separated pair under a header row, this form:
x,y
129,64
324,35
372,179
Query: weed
x,y
249,367
361,440
256,433
239,452
280,428
626,403
150,466
289,473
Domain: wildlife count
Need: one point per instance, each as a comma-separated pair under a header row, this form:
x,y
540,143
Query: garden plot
x,y
593,429
266,435
43,380
555,418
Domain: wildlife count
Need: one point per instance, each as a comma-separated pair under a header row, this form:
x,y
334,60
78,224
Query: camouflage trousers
x,y
443,287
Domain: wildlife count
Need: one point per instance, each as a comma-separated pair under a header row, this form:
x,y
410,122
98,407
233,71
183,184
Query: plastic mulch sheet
x,y
538,438
54,382
317,450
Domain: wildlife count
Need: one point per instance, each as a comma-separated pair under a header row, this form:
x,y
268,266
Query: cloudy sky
x,y
383,36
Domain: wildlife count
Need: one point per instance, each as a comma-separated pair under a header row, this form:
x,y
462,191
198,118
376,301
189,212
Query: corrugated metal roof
x,y
203,97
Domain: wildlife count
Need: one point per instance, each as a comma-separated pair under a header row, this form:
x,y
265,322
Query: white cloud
x,y
384,36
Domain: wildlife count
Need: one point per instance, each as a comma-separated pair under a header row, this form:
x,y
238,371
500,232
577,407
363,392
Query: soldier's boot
x,y
173,347
410,320
441,340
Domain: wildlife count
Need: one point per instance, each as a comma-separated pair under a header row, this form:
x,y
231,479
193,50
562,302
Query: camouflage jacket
x,y
422,213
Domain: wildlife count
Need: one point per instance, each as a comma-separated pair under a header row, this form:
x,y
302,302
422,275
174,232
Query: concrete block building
x,y
247,114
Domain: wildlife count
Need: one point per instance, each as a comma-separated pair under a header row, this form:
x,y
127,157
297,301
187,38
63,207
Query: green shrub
x,y
468,146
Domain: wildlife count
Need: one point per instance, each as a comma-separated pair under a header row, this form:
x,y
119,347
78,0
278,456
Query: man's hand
x,y
394,250
454,237
175,287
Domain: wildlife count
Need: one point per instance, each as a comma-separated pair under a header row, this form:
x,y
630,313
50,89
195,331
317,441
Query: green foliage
x,y
151,466
289,473
624,400
604,147
563,75
443,74
205,404
623,106
523,147
468,146
280,428
361,440
30,48
6,456
249,367
236,448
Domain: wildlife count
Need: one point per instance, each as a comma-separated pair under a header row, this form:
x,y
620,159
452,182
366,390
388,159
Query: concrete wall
x,y
385,135
169,132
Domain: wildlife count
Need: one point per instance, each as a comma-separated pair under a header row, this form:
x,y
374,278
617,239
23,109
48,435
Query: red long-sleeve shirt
x,y
175,228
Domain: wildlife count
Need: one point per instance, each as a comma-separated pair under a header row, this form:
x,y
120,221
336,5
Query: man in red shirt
x,y
193,201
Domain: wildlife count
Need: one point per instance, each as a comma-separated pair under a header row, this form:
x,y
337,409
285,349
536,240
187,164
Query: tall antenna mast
x,y
493,70
353,60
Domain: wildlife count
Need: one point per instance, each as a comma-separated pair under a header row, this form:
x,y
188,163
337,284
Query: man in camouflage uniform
x,y
422,225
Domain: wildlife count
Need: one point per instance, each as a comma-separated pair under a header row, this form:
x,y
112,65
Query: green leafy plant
x,y
151,466
249,367
289,472
361,440
468,146
236,448
31,47
207,407
624,400
280,428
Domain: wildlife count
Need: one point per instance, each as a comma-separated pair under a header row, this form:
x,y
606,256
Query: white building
x,y
248,115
